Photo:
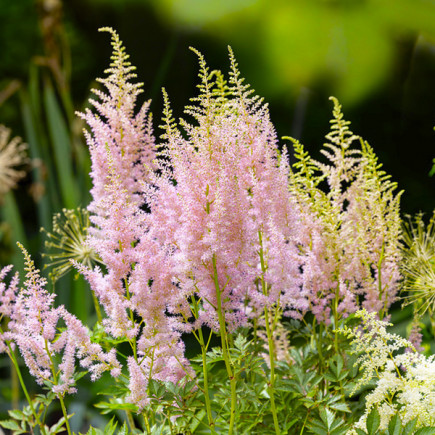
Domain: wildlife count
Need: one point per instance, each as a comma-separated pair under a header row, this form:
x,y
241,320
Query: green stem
x,y
130,421
272,372
65,414
223,333
269,333
336,320
147,423
204,348
319,344
60,397
15,388
97,308
205,372
380,289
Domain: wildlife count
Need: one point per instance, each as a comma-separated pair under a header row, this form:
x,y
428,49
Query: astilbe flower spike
x,y
136,280
33,328
230,195
352,230
219,197
7,299
115,127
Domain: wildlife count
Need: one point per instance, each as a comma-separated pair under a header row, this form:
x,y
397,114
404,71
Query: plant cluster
x,y
210,233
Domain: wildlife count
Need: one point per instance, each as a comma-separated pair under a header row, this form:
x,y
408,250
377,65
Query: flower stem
x,y
147,423
130,420
269,333
55,382
225,353
204,347
205,372
97,308
65,414
272,372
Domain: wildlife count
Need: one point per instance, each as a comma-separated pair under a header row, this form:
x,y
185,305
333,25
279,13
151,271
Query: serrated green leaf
x,y
330,376
410,427
10,424
27,411
338,422
426,431
55,428
94,431
340,407
373,421
327,417
340,363
123,430
343,375
240,342
108,407
395,425
360,432
339,431
16,414
110,427
290,423
319,430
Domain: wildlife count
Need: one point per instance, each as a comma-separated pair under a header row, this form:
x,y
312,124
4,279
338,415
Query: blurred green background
x,y
376,56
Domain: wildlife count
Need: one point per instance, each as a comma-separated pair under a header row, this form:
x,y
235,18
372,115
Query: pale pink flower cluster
x,y
352,230
230,199
209,224
117,131
137,282
7,298
33,327
218,198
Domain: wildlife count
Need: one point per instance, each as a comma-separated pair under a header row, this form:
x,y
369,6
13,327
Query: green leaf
x,y
123,430
426,431
108,407
327,417
17,415
360,432
58,426
331,377
319,430
410,427
339,430
395,425
61,141
197,421
340,363
340,407
10,424
290,423
94,431
373,421
240,342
